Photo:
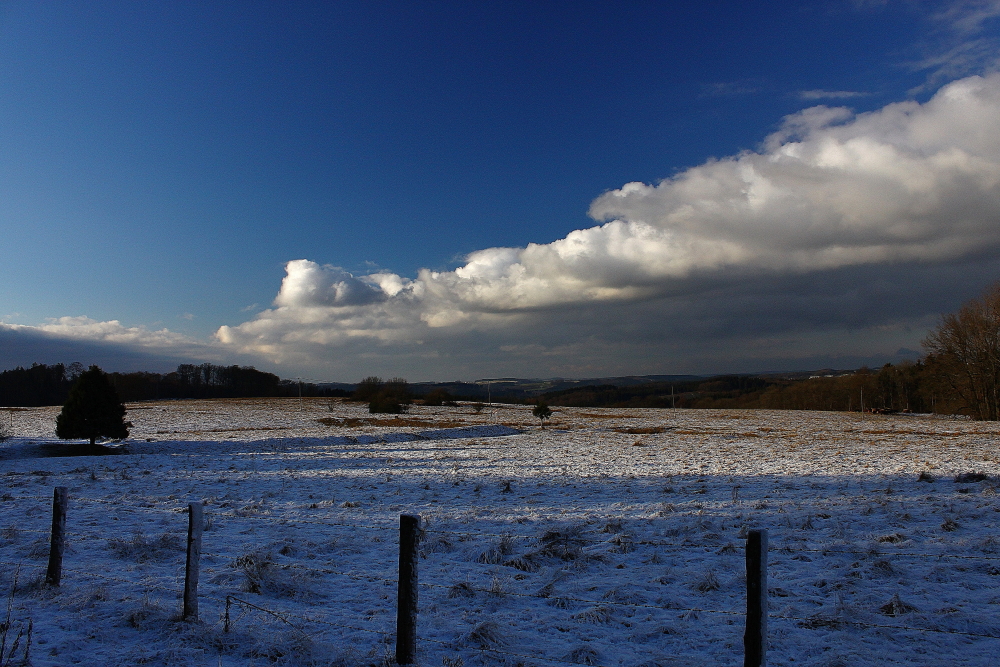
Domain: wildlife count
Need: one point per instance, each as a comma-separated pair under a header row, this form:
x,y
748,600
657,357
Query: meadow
x,y
610,537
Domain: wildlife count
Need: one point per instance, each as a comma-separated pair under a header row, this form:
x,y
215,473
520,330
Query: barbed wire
x,y
24,564
142,508
132,582
594,602
451,645
875,553
835,622
285,519
18,529
282,614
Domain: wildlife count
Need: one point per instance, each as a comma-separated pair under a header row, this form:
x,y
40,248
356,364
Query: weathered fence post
x,y
195,526
755,637
406,601
60,500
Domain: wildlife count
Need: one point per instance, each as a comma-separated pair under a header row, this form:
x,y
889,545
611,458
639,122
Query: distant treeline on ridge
x,y
50,384
906,387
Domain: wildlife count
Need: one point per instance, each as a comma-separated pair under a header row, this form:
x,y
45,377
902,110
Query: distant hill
x,y
619,390
514,389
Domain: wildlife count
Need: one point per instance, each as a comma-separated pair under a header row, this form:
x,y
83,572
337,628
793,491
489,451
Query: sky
x,y
459,190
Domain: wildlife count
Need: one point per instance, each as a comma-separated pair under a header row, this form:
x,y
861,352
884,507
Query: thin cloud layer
x,y
112,331
909,184
108,343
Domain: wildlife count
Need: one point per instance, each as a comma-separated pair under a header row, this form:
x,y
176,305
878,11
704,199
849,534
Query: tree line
x,y
42,384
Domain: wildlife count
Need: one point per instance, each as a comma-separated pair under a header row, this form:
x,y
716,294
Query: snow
x,y
611,537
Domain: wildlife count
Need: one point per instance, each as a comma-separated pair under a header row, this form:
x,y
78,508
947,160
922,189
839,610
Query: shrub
x,y
387,405
263,575
392,397
439,396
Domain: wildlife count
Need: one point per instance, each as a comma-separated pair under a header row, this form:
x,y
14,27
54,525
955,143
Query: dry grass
x,y
142,549
241,429
608,416
648,430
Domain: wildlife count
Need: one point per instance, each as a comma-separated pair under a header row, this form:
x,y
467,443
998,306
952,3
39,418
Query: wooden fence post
x,y
406,600
57,544
755,637
195,526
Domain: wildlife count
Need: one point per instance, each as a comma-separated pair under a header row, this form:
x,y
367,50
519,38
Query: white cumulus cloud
x,y
908,184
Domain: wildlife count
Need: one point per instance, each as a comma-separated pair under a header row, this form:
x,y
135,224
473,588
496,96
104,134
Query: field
x,y
611,537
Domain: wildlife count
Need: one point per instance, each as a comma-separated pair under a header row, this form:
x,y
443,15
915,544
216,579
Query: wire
x,y
496,650
598,602
582,540
87,573
874,553
309,619
834,622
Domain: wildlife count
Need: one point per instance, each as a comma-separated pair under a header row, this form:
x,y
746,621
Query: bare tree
x,y
964,353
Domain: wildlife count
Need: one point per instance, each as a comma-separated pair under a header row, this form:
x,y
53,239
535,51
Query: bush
x,y
387,405
393,397
439,397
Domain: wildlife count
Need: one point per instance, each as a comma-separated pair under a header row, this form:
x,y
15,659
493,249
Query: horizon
x,y
498,380
455,190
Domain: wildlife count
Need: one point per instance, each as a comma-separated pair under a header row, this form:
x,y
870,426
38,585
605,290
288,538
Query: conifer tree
x,y
542,411
93,410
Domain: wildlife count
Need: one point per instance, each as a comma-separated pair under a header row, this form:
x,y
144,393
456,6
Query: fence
x,y
234,607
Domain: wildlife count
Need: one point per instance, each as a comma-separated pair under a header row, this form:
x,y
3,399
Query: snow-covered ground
x,y
612,537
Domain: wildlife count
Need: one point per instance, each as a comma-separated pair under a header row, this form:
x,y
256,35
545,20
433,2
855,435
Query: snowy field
x,y
612,537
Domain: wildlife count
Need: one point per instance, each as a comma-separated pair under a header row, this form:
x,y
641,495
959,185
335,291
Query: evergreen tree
x,y
542,411
93,410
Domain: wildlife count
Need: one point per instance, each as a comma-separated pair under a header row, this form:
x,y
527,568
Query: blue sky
x,y
333,190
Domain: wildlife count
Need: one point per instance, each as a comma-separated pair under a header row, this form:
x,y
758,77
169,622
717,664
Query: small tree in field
x,y
542,411
92,410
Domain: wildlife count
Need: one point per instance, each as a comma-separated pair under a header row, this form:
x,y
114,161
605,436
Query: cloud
x,y
109,344
829,193
112,331
25,345
962,43
830,94
733,88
